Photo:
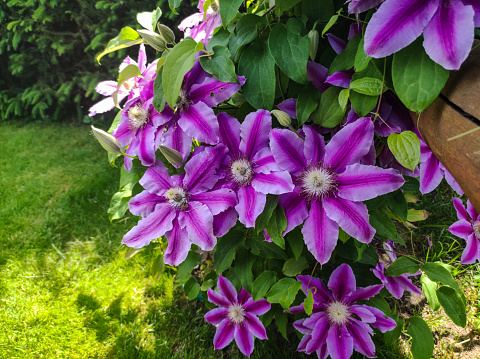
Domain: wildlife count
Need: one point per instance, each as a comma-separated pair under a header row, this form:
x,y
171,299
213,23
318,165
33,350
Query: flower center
x,y
318,182
476,229
177,198
236,313
241,172
214,6
138,116
338,313
182,101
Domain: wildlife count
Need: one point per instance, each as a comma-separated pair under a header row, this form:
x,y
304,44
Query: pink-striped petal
x,y
146,148
319,334
229,130
224,221
101,106
383,323
244,339
360,183
199,122
295,207
217,298
254,132
452,182
264,162
349,145
364,314
216,201
317,74
321,294
340,79
314,148
224,334
257,307
289,106
397,24
320,233
178,245
351,216
151,227
358,6
476,7
212,92
430,174
461,228
461,212
337,44
198,223
471,253
250,204
364,293
106,88
144,203
175,138
342,282
255,326
362,341
471,211
275,182
287,149
156,179
215,316
226,288
123,133
339,342
200,170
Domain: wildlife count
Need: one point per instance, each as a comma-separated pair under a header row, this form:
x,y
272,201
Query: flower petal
x,y
106,88
321,294
476,7
250,204
340,79
215,316
448,37
226,288
471,252
274,182
156,179
254,132
314,147
264,162
144,203
364,314
351,216
317,74
146,148
151,227
176,139
200,170
319,334
342,282
244,339
257,307
397,24
430,174
461,212
289,106
178,245
212,92
255,326
337,44
229,129
383,323
287,149
461,228
320,233
358,6
362,342
217,298
224,334
198,222
364,293
101,106
339,343
123,133
295,207
216,201
471,211
199,122
349,145
452,182
360,183
224,221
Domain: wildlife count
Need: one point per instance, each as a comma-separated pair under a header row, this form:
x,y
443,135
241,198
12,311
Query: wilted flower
x,y
236,317
337,325
468,228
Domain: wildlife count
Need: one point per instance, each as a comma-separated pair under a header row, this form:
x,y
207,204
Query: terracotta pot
x,y
451,126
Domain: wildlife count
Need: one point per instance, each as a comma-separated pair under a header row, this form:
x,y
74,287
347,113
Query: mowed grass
x,y
66,290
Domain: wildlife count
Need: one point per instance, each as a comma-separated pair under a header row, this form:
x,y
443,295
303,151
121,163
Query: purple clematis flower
x,y
432,171
337,325
129,88
447,27
194,116
180,207
250,169
468,228
236,317
330,180
200,26
358,6
395,285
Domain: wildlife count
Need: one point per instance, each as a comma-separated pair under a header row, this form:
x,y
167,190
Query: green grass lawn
x,y
66,289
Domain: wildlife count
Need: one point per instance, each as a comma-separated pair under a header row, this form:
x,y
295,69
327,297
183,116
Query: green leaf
x,y
119,201
438,273
173,4
293,267
453,305
178,63
262,284
227,246
262,220
392,336
397,203
343,98
330,23
276,225
430,290
221,37
209,281
320,10
281,319
405,146
246,31
308,303
308,100
126,74
258,66
158,266
369,255
417,79
379,302
284,5
361,58
295,240
158,101
228,10
401,266
382,224
185,268
422,343
284,292
191,288
290,51
362,104
346,59
243,268
416,215
132,251
127,37
265,249
367,86
220,65
329,113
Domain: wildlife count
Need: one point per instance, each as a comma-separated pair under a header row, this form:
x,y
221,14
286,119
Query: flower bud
x,y
282,118
153,39
172,156
107,141
166,33
313,39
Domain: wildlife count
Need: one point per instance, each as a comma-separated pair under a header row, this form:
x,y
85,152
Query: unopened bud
x,y
107,141
282,118
313,39
172,156
166,33
153,39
